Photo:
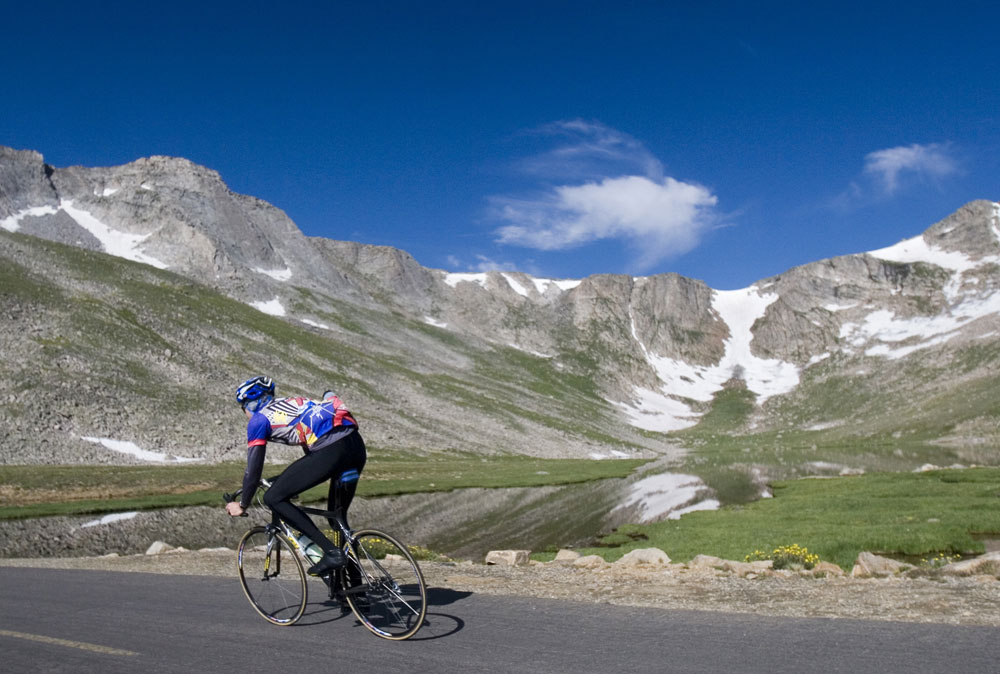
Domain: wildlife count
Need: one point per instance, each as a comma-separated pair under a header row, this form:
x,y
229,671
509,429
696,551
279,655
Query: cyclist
x,y
329,436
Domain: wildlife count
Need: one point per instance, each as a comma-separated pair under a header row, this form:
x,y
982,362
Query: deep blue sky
x,y
727,142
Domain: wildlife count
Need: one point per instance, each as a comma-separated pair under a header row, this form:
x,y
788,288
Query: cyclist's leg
x,y
341,495
319,465
339,498
301,475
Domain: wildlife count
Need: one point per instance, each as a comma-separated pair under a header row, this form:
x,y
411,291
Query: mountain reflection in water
x,y
467,523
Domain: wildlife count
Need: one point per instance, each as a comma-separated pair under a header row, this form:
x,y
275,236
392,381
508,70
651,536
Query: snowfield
x,y
664,410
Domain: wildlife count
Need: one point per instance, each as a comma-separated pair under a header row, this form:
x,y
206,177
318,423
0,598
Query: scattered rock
x,y
507,557
827,569
158,548
590,562
744,569
567,556
706,562
869,564
988,564
644,557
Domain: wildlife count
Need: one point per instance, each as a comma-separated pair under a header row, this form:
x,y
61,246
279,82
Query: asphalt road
x,y
91,621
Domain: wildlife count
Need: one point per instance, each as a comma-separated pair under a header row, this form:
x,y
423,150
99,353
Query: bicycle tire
x,y
390,598
272,576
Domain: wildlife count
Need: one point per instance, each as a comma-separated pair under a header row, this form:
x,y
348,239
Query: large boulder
x,y
706,562
567,556
590,562
158,548
644,557
507,557
869,564
744,569
827,569
988,564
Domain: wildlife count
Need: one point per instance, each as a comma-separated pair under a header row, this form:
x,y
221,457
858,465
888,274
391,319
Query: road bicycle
x,y
380,582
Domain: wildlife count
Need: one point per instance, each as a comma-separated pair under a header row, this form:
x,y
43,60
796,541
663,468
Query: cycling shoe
x,y
329,562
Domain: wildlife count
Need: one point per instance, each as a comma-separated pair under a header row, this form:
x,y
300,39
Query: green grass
x,y
40,491
901,514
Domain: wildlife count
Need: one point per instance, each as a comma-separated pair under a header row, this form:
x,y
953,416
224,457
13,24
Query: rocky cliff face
x,y
653,352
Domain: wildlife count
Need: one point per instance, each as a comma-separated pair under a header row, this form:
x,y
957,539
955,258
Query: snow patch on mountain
x,y
126,447
12,223
453,279
117,243
515,285
899,337
109,519
920,331
834,308
271,307
664,410
537,354
277,274
543,284
918,250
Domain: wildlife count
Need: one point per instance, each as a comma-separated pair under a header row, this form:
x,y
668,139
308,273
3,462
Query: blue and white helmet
x,y
255,392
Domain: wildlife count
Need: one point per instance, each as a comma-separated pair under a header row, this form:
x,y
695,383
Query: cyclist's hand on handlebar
x,y
235,509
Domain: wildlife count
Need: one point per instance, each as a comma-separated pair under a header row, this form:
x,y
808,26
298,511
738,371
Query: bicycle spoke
x,y
388,597
272,576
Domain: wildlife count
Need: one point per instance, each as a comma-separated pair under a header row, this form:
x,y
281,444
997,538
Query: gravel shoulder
x,y
973,600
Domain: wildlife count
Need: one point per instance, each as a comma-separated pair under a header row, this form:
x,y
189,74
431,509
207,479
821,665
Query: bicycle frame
x,y
343,534
391,603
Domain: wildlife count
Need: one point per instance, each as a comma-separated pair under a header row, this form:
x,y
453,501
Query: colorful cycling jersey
x,y
297,421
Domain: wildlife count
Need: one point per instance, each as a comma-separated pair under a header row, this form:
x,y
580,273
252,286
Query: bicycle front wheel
x,y
385,588
272,576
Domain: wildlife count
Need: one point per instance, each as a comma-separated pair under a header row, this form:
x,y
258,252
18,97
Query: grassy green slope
x,y
123,350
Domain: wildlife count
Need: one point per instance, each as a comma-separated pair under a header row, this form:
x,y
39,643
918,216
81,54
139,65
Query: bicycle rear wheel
x,y
272,576
386,588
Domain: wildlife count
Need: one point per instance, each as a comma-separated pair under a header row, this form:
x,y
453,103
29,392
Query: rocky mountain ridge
x,y
651,352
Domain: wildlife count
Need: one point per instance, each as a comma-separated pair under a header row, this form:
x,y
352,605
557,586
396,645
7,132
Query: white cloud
x,y
604,184
661,217
893,165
